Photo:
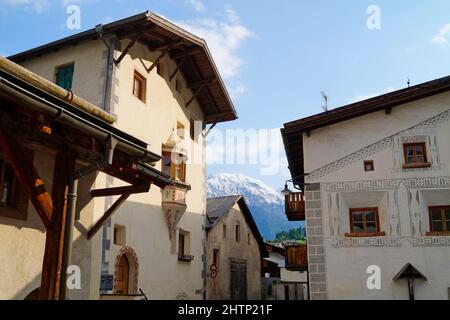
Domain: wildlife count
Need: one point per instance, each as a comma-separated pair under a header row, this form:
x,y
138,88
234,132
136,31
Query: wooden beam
x,y
116,205
28,177
201,83
189,52
167,45
155,63
52,264
124,53
218,116
179,64
120,191
194,96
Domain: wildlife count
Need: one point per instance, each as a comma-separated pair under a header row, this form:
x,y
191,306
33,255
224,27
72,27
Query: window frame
x,y
238,233
378,232
446,231
143,92
371,163
15,209
65,66
415,164
174,166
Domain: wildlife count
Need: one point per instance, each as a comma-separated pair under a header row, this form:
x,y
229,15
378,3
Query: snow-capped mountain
x,y
265,203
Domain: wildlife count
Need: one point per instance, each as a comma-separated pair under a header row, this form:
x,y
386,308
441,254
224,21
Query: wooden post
x,y
51,268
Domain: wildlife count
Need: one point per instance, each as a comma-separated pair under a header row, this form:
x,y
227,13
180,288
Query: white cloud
x,y
224,38
197,5
35,5
237,91
443,36
370,95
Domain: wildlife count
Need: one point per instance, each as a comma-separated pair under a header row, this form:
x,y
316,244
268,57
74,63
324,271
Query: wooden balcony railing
x,y
296,258
295,207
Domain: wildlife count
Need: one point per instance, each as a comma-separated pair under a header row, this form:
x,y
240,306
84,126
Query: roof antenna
x,y
325,98
409,82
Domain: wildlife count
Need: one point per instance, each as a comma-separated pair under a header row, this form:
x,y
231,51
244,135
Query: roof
x,y
409,272
187,50
292,132
217,208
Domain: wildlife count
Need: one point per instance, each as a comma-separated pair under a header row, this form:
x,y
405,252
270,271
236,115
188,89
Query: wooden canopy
x,y
190,53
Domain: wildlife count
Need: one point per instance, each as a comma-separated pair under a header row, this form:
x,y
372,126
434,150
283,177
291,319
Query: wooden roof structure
x,y
190,53
292,132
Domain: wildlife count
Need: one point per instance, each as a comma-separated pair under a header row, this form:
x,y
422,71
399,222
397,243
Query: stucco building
x,y
153,82
235,248
373,182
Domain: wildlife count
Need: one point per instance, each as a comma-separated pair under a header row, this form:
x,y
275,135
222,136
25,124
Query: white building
x,y
159,87
377,194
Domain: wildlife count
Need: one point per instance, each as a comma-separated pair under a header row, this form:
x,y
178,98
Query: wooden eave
x,y
159,34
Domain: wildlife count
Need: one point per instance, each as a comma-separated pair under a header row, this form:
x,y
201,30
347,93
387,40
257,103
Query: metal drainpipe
x,y
72,198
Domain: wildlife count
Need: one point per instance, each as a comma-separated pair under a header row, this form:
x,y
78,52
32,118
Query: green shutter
x,y
64,77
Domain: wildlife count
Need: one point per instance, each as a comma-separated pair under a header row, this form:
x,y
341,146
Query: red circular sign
x,y
213,271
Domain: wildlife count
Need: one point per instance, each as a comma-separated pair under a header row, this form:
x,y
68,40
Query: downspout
x,y
72,198
108,70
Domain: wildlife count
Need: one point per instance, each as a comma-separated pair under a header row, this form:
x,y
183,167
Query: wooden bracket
x,y
116,205
119,191
154,64
124,53
28,177
177,69
194,96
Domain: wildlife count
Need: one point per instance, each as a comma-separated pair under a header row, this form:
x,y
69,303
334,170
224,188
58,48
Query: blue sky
x,y
276,56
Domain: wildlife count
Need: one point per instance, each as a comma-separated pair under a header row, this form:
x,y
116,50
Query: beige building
x,y
377,195
158,86
235,248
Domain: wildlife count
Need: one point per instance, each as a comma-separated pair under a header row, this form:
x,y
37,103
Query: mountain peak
x,y
225,184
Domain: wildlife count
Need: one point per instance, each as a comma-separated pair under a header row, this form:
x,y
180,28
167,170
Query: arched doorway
x,y
123,275
126,272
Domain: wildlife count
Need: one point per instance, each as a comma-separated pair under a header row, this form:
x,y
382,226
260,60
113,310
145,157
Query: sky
x,y
276,57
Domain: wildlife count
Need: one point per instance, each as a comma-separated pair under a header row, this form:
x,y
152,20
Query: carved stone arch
x,y
133,261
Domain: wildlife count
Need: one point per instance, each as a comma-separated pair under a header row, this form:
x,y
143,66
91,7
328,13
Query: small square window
x,y
120,238
369,166
139,86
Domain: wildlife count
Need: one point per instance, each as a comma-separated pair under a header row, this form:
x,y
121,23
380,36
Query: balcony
x,y
295,206
296,258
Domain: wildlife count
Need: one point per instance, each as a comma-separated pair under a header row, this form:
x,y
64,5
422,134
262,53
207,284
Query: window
x,y
224,229
174,166
216,256
7,184
415,155
369,166
192,129
184,246
248,239
139,86
238,233
119,235
181,244
180,130
439,220
13,202
364,222
64,76
178,87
